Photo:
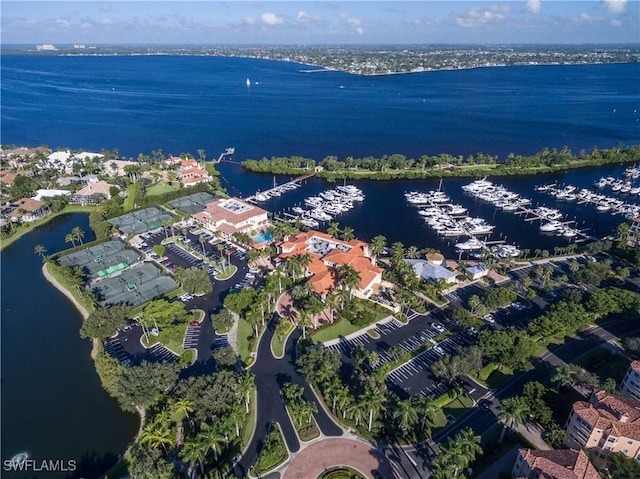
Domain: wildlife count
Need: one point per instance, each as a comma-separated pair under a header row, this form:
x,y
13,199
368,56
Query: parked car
x,y
439,350
489,318
438,327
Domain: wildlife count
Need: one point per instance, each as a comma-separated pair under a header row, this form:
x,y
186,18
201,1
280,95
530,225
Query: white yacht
x,y
470,245
551,226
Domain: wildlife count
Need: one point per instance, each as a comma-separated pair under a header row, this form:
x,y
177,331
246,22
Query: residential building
x,y
232,215
190,172
631,382
553,464
27,210
328,253
117,167
93,193
50,193
607,423
64,160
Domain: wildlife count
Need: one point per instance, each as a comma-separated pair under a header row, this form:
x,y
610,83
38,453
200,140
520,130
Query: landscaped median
x,y
273,454
279,340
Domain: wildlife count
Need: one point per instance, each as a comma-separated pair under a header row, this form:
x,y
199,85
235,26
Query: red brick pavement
x,y
316,458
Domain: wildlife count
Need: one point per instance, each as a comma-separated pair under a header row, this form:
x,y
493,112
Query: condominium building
x,y
553,464
607,423
631,382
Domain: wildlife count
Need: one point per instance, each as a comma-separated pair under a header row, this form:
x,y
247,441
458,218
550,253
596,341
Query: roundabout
x,y
339,458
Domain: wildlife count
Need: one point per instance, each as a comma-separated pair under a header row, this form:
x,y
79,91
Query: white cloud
x,y
359,31
615,23
533,6
615,6
477,16
271,19
581,19
304,17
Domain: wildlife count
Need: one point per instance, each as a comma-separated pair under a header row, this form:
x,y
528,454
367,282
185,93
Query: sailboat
x,y
248,82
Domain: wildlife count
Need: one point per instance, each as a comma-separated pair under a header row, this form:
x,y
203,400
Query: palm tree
x,y
426,410
333,229
220,248
212,436
332,302
69,238
357,411
245,387
304,321
347,234
185,406
374,402
406,415
156,435
194,453
78,234
413,252
348,277
235,414
307,409
41,250
563,375
514,411
378,244
201,239
342,399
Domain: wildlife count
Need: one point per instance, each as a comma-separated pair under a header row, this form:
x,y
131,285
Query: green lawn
x,y
458,406
245,331
227,273
159,189
340,328
130,199
605,364
277,344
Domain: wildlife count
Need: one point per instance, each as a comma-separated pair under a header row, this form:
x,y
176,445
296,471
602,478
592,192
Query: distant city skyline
x,y
320,22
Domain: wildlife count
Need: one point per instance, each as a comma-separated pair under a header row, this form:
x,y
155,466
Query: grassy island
x,y
398,166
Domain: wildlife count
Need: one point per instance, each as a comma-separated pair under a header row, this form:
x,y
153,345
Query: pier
x,y
277,190
228,152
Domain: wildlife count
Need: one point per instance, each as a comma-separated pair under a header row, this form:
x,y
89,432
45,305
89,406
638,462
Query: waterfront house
x,y
232,215
553,464
189,171
327,254
607,423
431,272
27,210
631,382
49,193
92,194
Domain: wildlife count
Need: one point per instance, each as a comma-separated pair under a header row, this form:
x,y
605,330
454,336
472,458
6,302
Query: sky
x,y
319,22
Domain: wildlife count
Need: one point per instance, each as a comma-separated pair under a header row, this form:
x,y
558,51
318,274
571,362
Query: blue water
x,y
177,104
182,104
262,237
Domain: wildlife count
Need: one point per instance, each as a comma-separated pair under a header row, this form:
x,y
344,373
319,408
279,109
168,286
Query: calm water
x,y
138,104
53,406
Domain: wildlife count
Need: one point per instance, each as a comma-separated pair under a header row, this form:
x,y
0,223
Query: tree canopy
x,y
103,322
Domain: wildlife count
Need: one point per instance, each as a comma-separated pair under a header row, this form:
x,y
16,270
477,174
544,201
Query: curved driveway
x,y
319,457
270,374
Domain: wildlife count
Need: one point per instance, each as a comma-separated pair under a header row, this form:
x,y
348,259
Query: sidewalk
x,y
331,342
533,434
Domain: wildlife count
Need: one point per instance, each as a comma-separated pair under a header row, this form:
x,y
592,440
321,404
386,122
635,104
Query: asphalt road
x,y
271,374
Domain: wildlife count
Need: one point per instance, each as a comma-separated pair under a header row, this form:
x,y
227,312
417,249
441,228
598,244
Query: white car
x,y
438,327
489,319
439,350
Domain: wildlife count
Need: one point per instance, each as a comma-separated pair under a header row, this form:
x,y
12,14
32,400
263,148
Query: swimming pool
x,y
262,237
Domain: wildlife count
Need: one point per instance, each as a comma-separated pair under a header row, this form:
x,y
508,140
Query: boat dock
x,y
226,153
277,190
584,196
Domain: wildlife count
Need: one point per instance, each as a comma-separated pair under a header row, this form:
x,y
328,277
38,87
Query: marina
x,y
326,205
450,220
506,200
277,190
584,196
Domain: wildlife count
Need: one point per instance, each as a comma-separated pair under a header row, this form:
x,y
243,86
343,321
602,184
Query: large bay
x,y
52,401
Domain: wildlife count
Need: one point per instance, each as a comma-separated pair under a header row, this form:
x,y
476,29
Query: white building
x,y
631,382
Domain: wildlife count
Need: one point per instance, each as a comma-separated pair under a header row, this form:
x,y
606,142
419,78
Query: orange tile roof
x,y
635,365
27,204
607,411
560,464
323,280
